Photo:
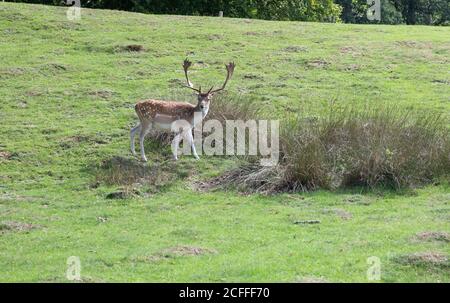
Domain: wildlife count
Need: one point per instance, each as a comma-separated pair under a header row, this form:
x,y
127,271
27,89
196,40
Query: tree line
x,y
428,12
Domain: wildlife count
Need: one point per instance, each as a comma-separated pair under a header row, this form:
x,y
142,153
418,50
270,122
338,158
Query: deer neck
x,y
203,111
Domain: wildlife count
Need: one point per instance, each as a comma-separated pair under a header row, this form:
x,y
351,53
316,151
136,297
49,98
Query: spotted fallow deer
x,y
157,114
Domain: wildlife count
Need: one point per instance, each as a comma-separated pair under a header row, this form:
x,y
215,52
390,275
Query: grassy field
x,y
67,94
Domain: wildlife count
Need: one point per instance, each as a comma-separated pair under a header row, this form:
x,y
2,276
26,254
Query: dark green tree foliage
x,y
430,12
353,11
433,12
389,14
304,10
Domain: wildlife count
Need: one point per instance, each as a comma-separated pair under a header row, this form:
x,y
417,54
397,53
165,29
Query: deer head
x,y
204,98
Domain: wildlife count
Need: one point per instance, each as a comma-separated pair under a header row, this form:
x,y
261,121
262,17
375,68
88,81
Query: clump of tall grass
x,y
377,146
226,106
380,146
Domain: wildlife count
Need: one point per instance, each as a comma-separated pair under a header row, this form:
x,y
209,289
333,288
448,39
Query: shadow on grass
x,y
135,178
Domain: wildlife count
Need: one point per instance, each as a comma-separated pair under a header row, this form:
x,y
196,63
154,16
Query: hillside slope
x,y
68,90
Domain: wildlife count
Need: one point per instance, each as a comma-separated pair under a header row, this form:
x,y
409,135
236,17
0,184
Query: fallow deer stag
x,y
157,114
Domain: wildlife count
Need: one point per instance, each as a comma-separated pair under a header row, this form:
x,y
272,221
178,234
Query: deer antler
x,y
230,69
186,65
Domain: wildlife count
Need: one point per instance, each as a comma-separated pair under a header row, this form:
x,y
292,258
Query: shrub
x,y
380,146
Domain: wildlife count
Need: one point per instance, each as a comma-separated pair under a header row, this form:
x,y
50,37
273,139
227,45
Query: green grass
x,y
68,92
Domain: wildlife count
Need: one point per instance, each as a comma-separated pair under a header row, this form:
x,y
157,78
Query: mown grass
x,y
67,107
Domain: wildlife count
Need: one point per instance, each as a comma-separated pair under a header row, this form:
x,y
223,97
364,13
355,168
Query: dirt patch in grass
x,y
181,251
253,77
13,71
72,141
136,178
15,226
433,236
341,213
56,66
440,81
425,260
124,171
295,49
352,67
252,34
357,199
102,219
176,252
52,68
130,48
350,50
102,93
414,44
311,280
5,155
126,193
211,184
22,104
319,63
215,37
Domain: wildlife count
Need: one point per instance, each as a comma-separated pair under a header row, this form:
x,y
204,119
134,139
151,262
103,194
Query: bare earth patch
x,y
14,71
175,252
102,93
433,236
343,214
358,199
311,280
295,49
136,178
5,155
204,186
180,251
126,193
72,141
215,37
16,226
425,259
130,48
352,67
318,63
253,76
350,50
414,44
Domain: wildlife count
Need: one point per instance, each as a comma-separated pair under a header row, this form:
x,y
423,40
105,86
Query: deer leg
x,y
175,143
190,140
132,134
145,127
